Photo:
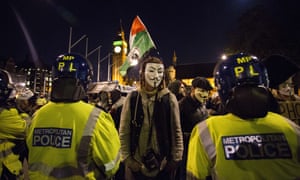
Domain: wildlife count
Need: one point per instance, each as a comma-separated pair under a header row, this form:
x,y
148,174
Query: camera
x,y
150,160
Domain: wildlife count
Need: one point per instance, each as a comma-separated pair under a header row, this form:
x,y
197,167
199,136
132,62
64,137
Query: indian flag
x,y
139,43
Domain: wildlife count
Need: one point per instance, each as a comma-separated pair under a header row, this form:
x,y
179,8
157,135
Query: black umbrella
x,y
279,68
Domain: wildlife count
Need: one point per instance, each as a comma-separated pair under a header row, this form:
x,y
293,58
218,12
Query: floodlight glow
x,y
223,57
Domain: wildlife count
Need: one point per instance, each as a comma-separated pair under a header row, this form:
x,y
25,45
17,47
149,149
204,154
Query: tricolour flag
x,y
139,43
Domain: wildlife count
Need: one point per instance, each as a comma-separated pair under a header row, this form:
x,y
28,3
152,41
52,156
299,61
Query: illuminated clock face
x,y
117,49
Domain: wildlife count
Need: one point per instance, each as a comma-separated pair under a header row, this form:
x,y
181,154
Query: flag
x,y
139,43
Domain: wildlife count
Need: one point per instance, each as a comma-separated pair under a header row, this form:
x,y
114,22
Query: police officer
x,y
12,131
250,141
69,138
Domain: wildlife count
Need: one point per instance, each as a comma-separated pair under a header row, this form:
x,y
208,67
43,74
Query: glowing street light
x,y
223,57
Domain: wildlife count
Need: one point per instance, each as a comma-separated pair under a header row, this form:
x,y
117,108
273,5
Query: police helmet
x,y
238,70
6,86
72,65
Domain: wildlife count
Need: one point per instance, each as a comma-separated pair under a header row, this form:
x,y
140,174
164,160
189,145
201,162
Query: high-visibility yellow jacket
x,y
227,147
12,129
72,141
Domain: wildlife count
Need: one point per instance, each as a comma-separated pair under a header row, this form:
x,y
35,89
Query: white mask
x,y
154,73
201,95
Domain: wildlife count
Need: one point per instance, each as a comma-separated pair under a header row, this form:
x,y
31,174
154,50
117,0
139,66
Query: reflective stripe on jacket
x,y
227,147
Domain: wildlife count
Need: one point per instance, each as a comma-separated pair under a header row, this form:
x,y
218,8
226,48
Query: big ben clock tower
x,y
119,56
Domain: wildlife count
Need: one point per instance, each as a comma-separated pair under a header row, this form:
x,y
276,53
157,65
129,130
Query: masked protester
x,y
150,131
69,138
12,131
250,141
193,110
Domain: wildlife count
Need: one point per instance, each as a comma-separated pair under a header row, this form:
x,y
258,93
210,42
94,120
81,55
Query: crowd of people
x,y
163,129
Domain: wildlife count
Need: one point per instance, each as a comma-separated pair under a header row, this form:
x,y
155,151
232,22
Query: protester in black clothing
x,y
192,107
193,110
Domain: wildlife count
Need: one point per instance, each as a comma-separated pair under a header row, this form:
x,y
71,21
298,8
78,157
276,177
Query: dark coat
x,y
191,112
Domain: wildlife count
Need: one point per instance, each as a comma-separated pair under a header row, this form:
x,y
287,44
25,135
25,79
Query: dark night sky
x,y
196,30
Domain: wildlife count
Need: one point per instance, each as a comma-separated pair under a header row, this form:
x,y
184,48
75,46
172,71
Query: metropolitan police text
x,y
256,146
55,137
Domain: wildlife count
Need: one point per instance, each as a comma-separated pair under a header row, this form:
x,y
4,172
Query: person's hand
x,y
133,164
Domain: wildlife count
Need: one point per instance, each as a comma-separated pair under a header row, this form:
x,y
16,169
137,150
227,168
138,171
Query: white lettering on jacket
x,y
256,146
54,137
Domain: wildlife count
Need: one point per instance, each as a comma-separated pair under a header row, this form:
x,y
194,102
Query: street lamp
x,y
223,56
